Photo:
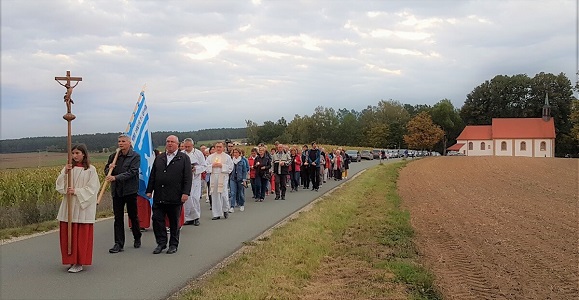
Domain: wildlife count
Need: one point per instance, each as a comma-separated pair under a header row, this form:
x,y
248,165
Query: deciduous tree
x,y
423,134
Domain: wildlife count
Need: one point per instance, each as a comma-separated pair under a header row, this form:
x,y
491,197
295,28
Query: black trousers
x,y
315,177
173,213
305,176
280,184
119,212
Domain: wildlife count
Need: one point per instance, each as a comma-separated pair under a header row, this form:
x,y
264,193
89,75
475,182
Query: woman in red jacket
x,y
294,169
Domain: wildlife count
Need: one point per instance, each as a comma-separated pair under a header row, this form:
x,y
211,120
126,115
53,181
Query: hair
x,y
238,150
255,149
189,140
124,135
82,148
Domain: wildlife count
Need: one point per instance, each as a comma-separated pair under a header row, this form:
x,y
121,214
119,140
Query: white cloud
x,y
251,55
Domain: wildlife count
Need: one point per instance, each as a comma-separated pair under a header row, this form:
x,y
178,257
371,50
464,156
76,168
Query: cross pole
x,y
69,117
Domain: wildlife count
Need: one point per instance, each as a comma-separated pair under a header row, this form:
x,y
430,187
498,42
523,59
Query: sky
x,y
215,64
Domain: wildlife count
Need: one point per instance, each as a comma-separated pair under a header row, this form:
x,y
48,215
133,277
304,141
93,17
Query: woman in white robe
x,y
219,165
83,193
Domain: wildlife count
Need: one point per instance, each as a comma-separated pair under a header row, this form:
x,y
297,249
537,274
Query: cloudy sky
x,y
211,64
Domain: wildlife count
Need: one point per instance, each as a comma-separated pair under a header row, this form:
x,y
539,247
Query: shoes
x,y
225,214
75,269
137,243
256,199
172,249
282,197
231,210
261,200
196,222
215,218
190,222
207,200
276,197
159,249
115,249
242,208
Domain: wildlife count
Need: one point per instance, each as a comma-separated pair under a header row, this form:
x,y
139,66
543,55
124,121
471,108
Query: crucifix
x,y
69,117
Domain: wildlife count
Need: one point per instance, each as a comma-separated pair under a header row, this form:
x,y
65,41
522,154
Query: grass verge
x,y
356,243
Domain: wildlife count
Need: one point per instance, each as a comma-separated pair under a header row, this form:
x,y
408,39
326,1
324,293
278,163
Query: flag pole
x,y
69,117
105,184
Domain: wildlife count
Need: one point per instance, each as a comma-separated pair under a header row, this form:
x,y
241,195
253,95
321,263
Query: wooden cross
x,y
69,117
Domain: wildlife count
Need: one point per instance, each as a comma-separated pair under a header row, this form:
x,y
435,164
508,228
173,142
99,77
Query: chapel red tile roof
x,y
523,128
476,132
510,128
455,147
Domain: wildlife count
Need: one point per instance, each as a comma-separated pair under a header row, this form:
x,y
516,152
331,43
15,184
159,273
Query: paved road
x,y
31,268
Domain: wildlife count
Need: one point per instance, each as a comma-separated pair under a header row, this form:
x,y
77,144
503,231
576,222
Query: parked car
x,y
354,155
366,154
376,153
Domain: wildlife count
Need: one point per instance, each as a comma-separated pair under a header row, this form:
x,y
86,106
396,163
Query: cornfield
x,y
29,195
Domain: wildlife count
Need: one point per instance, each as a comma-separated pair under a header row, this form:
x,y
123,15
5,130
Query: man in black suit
x,y
170,179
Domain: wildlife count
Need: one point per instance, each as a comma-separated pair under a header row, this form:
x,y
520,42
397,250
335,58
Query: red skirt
x,y
144,213
82,243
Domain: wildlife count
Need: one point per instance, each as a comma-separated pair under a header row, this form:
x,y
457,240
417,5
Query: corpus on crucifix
x,y
67,83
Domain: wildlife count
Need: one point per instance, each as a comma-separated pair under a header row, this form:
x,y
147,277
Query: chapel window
x,y
470,146
503,146
543,146
482,146
523,146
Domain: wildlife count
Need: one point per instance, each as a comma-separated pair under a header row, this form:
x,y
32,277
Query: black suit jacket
x,y
171,181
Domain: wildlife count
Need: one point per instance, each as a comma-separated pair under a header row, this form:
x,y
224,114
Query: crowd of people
x,y
177,179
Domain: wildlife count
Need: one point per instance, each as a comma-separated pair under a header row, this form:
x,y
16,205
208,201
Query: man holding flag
x,y
124,180
137,141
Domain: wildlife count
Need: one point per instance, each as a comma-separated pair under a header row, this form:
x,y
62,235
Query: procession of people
x,y
177,178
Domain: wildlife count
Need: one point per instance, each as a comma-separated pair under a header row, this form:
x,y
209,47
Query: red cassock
x,y
144,212
181,219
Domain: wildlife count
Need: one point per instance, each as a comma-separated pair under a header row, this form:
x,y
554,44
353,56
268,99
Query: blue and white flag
x,y
142,143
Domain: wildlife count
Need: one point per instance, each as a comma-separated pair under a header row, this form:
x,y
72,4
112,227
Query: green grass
x,y
359,228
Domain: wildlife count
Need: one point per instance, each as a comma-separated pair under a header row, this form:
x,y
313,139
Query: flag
x,y
142,143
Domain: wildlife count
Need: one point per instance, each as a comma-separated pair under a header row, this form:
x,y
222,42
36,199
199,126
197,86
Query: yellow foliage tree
x,y
423,134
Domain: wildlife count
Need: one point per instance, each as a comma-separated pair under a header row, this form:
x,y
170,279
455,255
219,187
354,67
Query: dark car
x,y
367,154
354,155
376,153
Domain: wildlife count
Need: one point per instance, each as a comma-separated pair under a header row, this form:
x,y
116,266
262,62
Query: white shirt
x,y
170,157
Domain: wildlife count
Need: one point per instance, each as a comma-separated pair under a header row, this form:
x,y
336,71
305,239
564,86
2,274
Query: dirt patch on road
x,y
494,227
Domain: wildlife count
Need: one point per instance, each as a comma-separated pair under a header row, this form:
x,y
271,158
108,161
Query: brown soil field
x,y
496,227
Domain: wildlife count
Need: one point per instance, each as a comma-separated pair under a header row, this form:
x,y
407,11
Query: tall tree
x,y
423,134
448,118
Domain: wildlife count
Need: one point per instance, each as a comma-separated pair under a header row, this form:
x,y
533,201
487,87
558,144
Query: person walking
x,y
237,180
124,180
262,165
171,179
305,174
314,163
251,161
280,161
192,206
295,169
83,195
219,165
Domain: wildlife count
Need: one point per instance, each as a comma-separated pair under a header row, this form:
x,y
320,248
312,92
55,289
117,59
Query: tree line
x,y
391,124
100,141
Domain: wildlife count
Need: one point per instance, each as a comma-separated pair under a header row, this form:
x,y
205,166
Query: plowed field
x,y
496,227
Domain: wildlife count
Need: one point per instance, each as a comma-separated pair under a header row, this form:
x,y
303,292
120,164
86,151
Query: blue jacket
x,y
240,170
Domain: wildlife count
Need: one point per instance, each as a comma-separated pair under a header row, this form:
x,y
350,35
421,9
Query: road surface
x,y
32,269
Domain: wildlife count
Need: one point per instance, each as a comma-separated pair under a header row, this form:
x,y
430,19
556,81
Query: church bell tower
x,y
546,109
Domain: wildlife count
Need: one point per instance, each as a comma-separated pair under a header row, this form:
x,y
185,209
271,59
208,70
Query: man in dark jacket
x,y
124,181
170,179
